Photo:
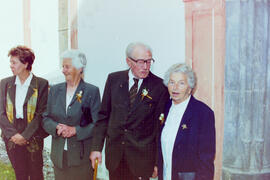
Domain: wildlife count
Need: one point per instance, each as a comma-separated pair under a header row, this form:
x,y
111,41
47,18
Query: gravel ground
x,y
48,166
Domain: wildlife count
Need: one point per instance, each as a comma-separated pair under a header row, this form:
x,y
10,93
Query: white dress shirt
x,y
131,81
21,91
68,100
69,97
168,135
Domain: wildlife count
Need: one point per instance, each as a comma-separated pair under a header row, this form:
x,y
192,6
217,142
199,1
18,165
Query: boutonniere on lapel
x,y
145,94
184,126
161,118
79,96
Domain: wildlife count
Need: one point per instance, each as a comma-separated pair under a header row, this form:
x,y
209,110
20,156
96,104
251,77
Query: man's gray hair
x,y
77,57
132,45
183,68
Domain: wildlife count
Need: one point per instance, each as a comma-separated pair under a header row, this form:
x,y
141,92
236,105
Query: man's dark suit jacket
x,y
130,132
195,144
34,128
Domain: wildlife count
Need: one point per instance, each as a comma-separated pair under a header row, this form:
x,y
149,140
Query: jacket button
x,y
123,142
126,130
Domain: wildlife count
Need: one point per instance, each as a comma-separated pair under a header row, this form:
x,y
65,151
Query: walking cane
x,y
95,169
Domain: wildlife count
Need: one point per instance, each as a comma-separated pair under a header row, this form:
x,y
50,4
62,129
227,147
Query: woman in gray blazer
x,y
71,111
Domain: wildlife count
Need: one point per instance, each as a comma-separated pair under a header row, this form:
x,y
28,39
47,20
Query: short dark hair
x,y
25,55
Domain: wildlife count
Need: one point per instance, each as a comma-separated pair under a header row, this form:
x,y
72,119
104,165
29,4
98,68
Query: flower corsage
x,y
161,118
79,96
184,126
145,94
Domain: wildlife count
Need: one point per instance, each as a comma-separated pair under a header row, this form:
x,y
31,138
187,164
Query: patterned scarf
x,y
31,107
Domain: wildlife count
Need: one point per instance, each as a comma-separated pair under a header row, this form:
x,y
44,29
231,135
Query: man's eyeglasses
x,y
141,62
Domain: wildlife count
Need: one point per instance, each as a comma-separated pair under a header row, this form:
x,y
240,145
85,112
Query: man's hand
x,y
65,131
155,172
95,155
18,139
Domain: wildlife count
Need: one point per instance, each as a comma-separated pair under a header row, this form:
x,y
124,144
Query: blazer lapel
x,y
11,89
30,91
138,96
146,84
79,89
166,112
124,89
183,125
62,98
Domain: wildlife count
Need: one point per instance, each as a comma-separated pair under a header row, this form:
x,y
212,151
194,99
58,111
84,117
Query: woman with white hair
x,y
187,138
71,110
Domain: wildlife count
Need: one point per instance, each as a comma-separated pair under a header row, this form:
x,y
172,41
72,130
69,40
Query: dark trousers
x,y
123,172
27,166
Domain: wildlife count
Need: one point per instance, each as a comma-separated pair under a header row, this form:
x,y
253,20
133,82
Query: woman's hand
x,y
65,131
18,139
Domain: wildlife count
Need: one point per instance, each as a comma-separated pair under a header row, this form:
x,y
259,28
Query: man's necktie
x,y
133,91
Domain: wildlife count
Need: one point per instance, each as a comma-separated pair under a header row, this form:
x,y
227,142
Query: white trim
x,y
213,59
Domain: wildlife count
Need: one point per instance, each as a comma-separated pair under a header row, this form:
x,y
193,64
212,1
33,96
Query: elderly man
x,y
128,118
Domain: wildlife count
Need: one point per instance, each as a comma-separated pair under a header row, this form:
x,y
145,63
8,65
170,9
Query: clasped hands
x,y
65,131
18,139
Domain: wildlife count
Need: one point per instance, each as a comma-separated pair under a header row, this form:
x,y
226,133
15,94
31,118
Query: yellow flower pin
x,y
184,126
145,94
161,118
79,96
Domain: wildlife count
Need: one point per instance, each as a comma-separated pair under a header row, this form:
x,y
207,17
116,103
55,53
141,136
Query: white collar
x,y
182,104
26,82
131,75
131,81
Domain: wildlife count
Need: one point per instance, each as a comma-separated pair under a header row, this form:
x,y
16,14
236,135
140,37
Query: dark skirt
x,y
82,172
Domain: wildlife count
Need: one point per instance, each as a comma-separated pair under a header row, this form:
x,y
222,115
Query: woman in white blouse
x,y
187,139
23,99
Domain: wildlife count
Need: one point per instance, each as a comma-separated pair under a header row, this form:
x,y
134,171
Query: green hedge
x,y
6,172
